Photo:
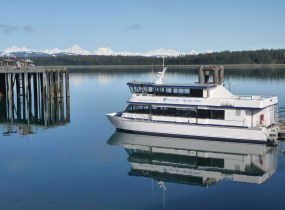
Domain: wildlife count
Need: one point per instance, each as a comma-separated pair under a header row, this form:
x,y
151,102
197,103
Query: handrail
x,y
239,97
251,97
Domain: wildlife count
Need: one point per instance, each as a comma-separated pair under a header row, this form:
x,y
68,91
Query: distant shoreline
x,y
173,66
129,67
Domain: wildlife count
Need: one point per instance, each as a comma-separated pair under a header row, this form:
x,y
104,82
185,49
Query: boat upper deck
x,y
204,93
195,95
153,85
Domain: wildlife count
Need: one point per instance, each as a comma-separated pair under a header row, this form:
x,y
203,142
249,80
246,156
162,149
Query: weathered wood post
x,y
3,95
45,98
10,96
35,86
67,97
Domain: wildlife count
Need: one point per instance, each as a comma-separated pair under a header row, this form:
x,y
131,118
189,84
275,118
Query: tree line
x,y
225,57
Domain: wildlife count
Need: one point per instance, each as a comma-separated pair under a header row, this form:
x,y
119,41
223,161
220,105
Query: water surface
x,y
76,165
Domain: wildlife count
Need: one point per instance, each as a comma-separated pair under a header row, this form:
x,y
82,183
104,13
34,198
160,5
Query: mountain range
x,y
77,50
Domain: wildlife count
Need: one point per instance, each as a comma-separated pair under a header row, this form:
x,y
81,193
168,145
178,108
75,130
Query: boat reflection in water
x,y
196,162
30,100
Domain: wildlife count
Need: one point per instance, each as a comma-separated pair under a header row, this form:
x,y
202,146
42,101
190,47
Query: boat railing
x,y
248,97
240,97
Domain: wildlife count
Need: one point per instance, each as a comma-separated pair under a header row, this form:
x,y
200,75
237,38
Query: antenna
x,y
160,80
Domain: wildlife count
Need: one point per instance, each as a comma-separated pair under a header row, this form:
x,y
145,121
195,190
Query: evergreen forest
x,y
225,57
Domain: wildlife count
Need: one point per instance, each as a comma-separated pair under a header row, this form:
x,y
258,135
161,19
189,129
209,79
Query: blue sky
x,y
142,25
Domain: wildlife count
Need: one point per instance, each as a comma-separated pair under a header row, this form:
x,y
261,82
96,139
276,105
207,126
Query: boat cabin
x,y
205,102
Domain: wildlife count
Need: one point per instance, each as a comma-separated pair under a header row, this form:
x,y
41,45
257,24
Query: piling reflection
x,y
31,99
196,162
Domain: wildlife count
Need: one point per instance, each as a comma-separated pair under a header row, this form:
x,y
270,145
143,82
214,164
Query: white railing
x,y
236,97
253,97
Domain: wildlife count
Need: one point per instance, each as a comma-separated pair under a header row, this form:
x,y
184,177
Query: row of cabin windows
x,y
164,91
178,112
189,160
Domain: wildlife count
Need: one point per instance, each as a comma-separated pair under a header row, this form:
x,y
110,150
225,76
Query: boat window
x,y
179,92
175,91
140,109
169,91
144,89
149,90
211,114
137,89
212,162
163,111
218,114
196,93
132,89
159,91
141,89
187,91
186,112
171,111
204,113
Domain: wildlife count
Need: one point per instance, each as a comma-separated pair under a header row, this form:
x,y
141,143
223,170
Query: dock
x,y
33,97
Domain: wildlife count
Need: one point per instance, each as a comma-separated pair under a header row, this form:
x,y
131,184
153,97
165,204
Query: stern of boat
x,y
271,135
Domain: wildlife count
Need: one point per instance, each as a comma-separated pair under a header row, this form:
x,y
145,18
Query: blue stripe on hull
x,y
193,137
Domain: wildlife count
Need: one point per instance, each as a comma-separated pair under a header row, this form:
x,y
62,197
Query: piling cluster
x,y
33,97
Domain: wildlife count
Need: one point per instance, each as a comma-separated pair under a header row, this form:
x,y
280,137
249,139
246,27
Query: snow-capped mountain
x,y
21,52
77,50
162,51
15,50
74,50
104,51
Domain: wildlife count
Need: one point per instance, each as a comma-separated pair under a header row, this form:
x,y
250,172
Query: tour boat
x,y
203,110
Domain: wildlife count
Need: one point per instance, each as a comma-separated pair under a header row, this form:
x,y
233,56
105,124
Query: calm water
x,y
85,165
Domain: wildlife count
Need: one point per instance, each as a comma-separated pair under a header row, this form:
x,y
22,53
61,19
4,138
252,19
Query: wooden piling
x,y
34,97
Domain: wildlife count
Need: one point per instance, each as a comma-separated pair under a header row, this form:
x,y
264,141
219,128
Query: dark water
x,y
85,165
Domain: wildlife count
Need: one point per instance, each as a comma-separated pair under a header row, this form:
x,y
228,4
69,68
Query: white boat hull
x,y
194,131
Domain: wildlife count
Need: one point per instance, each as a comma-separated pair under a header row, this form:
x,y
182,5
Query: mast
x,y
160,80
